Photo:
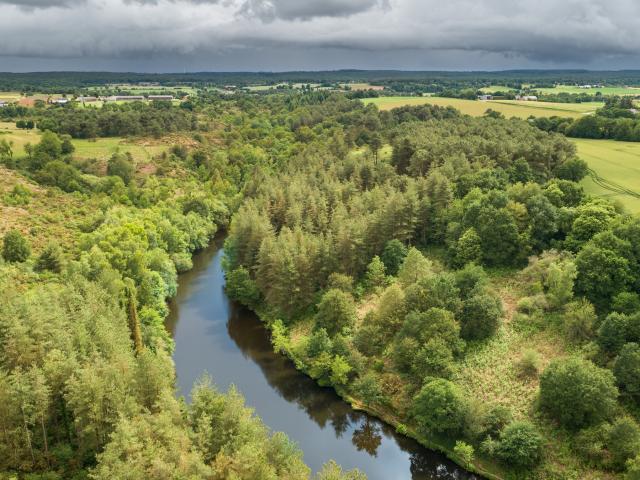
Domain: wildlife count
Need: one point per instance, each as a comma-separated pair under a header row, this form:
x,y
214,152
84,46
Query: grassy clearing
x,y
362,86
19,138
509,108
10,96
616,162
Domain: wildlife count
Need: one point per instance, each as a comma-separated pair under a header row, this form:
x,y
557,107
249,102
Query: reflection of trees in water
x,y
367,437
324,406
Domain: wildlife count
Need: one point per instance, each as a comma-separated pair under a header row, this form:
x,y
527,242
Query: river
x,y
216,336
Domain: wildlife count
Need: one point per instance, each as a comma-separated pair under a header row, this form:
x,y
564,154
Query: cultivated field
x,y
592,91
617,169
509,108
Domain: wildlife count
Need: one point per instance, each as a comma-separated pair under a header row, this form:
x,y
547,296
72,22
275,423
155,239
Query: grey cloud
x,y
269,10
470,32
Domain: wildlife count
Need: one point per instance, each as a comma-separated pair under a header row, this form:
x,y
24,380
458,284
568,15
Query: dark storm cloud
x,y
269,10
462,34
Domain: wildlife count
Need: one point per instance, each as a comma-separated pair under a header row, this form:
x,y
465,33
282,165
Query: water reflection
x,y
230,343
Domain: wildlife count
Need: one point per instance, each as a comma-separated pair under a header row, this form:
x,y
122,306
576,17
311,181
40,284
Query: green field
x,y
99,149
510,108
617,165
592,91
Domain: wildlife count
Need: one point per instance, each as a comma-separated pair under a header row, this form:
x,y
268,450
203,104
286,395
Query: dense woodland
x,y
375,245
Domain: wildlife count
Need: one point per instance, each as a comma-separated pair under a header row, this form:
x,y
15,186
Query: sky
x,y
280,35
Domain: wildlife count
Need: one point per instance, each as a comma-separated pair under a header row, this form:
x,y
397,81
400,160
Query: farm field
x,y
509,108
602,90
617,165
100,149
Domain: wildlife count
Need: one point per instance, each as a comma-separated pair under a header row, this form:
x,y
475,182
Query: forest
x,y
445,273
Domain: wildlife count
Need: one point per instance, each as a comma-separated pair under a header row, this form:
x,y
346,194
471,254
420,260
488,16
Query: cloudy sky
x,y
272,35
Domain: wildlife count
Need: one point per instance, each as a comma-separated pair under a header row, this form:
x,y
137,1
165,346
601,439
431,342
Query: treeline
x,y
616,121
137,118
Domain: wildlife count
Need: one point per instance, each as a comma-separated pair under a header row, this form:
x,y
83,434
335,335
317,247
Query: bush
x,y
627,369
520,445
336,310
579,320
393,256
15,248
464,451
612,334
241,287
470,280
480,317
50,259
623,442
440,407
626,302
529,364
577,393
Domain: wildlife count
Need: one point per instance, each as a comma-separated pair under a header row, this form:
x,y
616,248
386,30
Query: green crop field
x,y
591,91
617,170
510,108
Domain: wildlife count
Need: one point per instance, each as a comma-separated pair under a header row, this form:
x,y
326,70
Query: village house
x,y
3,104
87,99
58,101
527,98
485,97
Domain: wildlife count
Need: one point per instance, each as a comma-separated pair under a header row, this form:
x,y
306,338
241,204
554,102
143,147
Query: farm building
x,y
485,97
160,98
125,98
87,99
527,98
3,103
58,101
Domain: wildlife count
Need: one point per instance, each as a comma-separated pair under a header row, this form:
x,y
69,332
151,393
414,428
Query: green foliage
x,y
520,445
439,407
626,302
613,332
15,248
368,389
393,256
121,165
241,287
529,364
414,267
480,316
464,451
577,393
375,276
579,321
627,369
50,259
623,442
468,248
336,311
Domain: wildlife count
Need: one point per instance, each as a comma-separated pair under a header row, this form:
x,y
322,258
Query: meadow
x,y
617,168
602,90
100,149
509,108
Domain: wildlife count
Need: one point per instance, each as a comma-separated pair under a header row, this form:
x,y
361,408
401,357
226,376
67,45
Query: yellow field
x,y
509,108
617,165
10,96
19,138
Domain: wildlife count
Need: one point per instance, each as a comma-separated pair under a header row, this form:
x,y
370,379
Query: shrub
x,y
375,276
579,320
623,442
480,317
15,248
50,259
627,369
577,393
470,280
439,407
336,310
241,287
529,364
464,451
612,334
626,302
520,445
393,256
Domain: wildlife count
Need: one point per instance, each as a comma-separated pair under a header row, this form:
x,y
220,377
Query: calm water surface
x,y
216,336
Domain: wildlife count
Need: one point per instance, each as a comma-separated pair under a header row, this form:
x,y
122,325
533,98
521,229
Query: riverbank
x,y
479,466
232,345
